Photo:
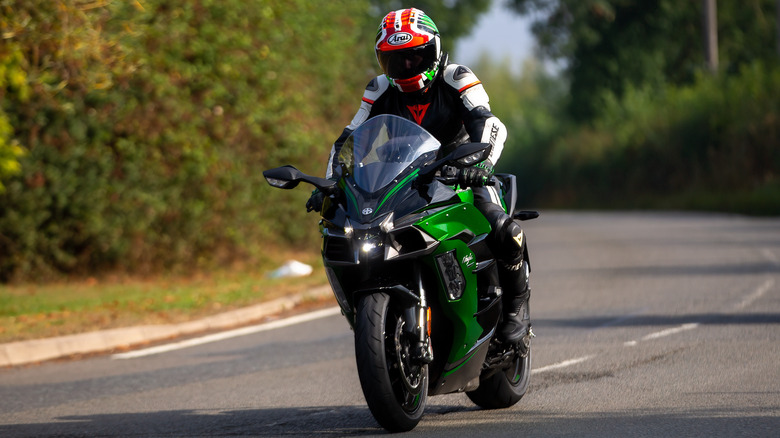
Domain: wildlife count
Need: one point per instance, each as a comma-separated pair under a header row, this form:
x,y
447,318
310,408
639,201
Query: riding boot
x,y
516,324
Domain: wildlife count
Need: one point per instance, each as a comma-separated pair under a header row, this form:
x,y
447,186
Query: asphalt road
x,y
647,325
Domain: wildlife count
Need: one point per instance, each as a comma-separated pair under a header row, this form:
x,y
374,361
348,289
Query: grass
x,y
32,311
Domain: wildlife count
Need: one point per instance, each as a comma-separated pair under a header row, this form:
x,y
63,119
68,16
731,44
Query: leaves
x,y
611,46
147,125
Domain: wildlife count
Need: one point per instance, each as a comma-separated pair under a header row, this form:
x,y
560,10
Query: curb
x,y
39,350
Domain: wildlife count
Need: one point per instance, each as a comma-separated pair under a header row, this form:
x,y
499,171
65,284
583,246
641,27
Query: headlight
x,y
368,247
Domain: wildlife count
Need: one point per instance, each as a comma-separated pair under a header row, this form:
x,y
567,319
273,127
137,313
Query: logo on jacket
x,y
418,112
399,39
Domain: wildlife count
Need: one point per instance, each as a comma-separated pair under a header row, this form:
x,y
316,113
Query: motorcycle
x,y
407,256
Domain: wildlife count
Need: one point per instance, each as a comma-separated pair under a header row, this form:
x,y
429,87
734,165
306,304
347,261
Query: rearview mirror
x,y
285,177
464,155
480,154
288,177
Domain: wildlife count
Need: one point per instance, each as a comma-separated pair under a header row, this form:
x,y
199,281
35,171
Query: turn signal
x,y
428,320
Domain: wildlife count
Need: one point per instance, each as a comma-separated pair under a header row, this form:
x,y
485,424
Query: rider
x,y
449,101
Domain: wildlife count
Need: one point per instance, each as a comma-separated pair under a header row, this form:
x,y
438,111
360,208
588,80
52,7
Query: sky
x,y
500,32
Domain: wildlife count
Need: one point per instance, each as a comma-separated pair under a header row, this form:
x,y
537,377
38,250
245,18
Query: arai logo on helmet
x,y
399,39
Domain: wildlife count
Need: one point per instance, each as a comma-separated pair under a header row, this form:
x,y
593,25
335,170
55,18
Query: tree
x,y
613,45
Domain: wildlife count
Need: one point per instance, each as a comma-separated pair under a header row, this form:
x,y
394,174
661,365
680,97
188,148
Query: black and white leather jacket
x,y
455,109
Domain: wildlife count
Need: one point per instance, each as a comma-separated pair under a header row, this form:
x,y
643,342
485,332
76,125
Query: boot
x,y
516,325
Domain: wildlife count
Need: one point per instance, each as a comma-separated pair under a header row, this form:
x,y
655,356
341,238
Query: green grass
x,y
31,311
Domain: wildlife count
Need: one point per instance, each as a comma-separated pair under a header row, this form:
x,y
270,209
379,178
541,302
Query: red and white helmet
x,y
408,49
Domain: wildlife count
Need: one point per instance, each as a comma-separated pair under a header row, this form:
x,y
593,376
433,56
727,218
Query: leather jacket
x,y
455,109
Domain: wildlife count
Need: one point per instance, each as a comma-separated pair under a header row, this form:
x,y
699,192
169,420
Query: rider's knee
x,y
507,236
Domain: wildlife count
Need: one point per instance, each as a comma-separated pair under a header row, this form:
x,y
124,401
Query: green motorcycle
x,y
406,253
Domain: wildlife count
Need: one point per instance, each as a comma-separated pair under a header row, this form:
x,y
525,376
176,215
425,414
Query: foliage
x,y
712,144
612,46
147,124
643,124
531,105
12,76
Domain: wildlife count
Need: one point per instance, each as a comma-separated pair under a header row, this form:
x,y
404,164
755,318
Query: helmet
x,y
408,49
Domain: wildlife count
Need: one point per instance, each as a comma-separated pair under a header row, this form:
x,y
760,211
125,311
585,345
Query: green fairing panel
x,y
461,311
444,225
466,196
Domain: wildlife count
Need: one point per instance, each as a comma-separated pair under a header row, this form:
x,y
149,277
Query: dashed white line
x,y
664,333
564,364
769,255
758,293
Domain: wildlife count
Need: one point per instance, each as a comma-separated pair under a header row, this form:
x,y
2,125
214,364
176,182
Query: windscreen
x,y
381,148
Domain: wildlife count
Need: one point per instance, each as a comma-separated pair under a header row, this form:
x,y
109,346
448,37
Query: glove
x,y
474,176
315,201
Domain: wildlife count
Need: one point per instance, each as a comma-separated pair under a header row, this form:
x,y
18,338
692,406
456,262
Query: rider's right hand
x,y
315,201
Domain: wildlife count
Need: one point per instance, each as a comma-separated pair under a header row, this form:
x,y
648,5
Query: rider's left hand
x,y
474,177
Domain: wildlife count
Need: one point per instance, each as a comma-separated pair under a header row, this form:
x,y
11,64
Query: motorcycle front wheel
x,y
395,386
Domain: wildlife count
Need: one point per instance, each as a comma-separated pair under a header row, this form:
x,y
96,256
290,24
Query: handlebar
x,y
453,180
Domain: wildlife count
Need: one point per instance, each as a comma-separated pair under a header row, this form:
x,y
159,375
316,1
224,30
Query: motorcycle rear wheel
x,y
504,388
395,387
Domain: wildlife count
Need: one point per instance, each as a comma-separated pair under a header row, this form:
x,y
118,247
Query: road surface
x,y
648,324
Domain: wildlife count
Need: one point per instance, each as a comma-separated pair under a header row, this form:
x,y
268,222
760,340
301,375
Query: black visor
x,y
404,64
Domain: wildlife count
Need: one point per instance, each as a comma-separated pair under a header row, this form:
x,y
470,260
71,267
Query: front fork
x,y
418,324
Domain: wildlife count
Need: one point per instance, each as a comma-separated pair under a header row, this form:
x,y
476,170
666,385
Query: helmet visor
x,y
407,63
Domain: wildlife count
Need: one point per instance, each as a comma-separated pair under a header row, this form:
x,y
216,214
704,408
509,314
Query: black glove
x,y
315,201
474,177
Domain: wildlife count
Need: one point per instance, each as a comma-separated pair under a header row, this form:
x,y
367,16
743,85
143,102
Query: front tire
x,y
395,387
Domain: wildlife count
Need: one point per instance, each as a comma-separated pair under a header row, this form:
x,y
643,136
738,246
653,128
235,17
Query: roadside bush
x,y
714,144
139,130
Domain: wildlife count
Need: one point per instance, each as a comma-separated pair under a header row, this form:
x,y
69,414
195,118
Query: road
x,y
648,324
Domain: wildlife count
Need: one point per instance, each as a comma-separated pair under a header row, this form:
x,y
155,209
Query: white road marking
x,y
664,333
769,255
758,293
564,364
230,334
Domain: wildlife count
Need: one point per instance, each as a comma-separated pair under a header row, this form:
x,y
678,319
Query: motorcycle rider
x,y
449,101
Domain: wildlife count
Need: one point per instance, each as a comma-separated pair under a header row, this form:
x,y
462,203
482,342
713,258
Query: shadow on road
x,y
301,421
304,421
356,421
663,320
662,422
